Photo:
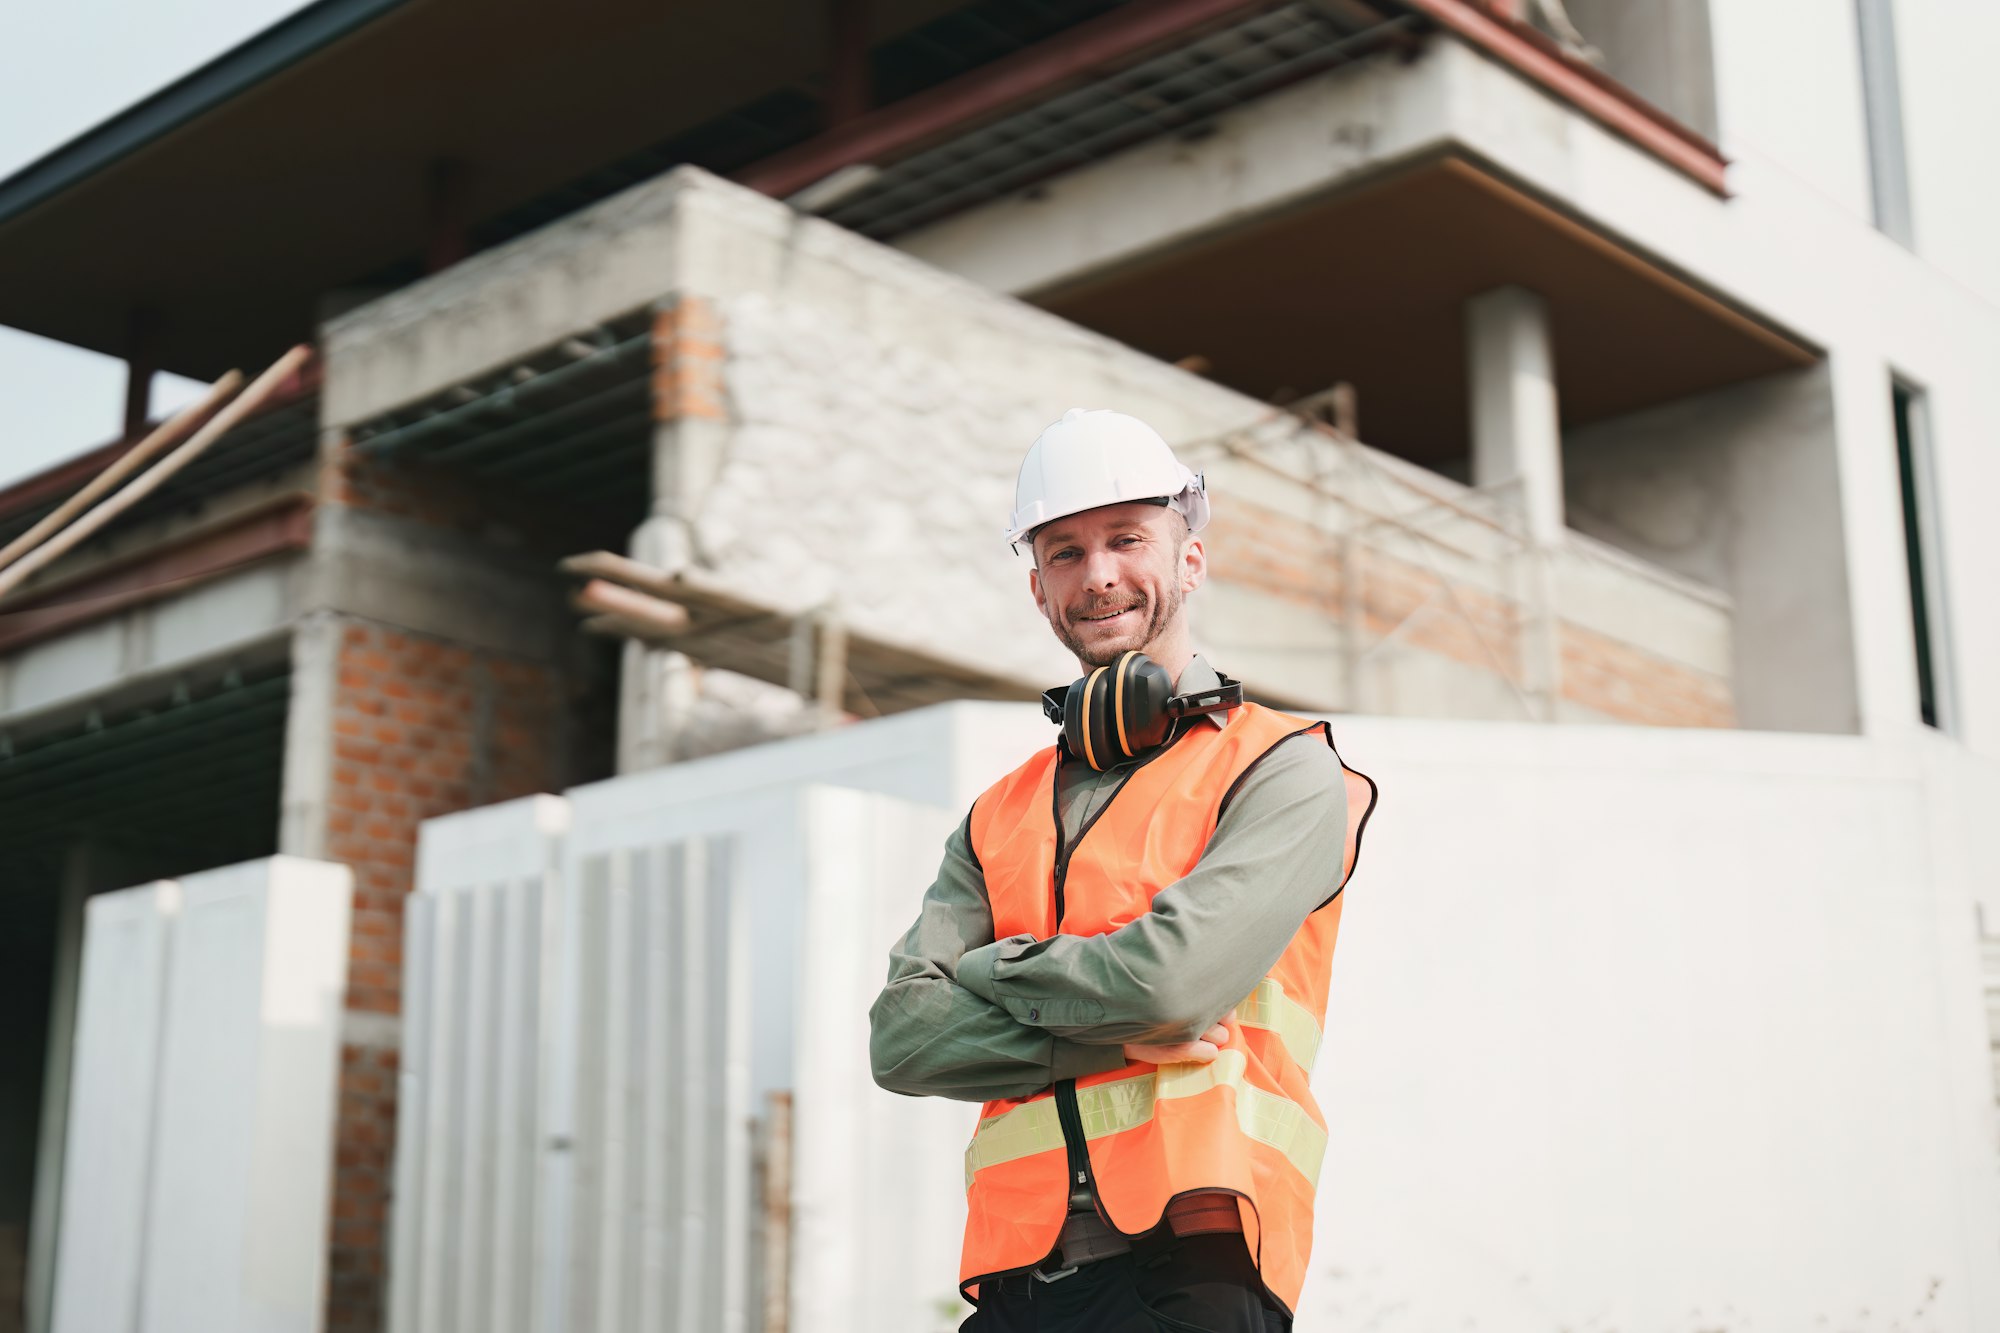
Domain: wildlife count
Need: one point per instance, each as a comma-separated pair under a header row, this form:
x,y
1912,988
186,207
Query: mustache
x,y
1104,608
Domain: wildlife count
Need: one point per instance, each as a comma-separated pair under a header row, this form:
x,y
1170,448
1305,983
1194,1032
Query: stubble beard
x,y
1161,615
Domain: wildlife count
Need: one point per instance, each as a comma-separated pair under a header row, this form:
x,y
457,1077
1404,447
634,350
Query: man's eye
x,y
1062,555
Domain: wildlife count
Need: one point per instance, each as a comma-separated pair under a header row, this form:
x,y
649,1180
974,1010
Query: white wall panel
x,y
469,1164
200,1155
101,1248
710,935
236,1235
878,1191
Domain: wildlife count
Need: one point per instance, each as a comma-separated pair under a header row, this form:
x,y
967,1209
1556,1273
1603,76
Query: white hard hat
x,y
1092,458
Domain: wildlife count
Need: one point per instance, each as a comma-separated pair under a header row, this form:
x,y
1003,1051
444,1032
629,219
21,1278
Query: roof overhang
x,y
222,210
222,213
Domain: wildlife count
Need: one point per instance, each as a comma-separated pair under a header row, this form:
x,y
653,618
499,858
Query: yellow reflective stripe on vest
x,y
1029,1128
1269,1008
1127,1103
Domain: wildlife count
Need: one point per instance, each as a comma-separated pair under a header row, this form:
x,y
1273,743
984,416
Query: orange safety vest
x,y
1246,1123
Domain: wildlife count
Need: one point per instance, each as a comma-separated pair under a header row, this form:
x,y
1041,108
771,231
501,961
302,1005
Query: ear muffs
x,y
1121,711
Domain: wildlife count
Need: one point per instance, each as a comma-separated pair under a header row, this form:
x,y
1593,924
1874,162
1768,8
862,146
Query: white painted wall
x,y
1950,106
1675,1031
1788,87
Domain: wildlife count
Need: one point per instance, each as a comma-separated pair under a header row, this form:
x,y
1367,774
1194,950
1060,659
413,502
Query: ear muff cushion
x,y
1122,698
1083,720
1118,712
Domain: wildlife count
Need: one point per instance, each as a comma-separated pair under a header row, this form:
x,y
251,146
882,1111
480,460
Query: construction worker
x,y
1125,954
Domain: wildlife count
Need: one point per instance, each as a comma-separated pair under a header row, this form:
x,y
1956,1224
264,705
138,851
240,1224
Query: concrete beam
x,y
422,578
224,615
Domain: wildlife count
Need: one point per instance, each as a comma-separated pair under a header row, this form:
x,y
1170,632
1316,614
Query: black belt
x,y
1086,1237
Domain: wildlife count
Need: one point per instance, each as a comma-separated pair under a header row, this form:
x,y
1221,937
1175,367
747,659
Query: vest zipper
x,y
1068,1114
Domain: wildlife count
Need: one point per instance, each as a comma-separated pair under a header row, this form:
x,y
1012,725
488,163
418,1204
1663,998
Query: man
x,y
1125,954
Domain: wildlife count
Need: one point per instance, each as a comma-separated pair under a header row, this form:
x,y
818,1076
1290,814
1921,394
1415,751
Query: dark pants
x,y
1200,1284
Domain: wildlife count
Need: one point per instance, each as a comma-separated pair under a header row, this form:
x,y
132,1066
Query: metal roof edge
x,y
235,71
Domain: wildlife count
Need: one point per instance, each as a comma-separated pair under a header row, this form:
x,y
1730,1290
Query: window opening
x,y
1882,105
1921,553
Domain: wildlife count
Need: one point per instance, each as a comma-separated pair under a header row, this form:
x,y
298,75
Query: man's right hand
x,y
1200,1051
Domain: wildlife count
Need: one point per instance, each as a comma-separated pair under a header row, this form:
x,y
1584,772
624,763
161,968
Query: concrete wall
x,y
1739,489
1660,50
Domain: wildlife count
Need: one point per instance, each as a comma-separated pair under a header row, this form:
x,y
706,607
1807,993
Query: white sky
x,y
63,69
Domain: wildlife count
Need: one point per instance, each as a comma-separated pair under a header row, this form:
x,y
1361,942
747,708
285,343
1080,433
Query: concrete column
x,y
308,772
657,687
1517,442
1516,431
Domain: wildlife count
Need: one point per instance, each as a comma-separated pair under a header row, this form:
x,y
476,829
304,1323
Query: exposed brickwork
x,y
687,361
363,1158
409,491
1634,686
421,727
1292,560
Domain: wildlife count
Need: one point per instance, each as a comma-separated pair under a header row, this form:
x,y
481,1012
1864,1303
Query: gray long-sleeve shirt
x,y
973,1018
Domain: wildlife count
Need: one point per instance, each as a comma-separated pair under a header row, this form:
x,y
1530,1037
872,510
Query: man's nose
x,y
1100,570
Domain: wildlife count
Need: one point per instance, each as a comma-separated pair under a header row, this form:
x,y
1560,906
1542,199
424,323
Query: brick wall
x,y
421,726
687,361
1293,561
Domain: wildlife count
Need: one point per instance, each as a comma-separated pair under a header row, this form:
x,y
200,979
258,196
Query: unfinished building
x,y
669,372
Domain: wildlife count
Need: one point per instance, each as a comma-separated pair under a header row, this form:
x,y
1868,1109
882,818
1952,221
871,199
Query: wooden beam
x,y
657,616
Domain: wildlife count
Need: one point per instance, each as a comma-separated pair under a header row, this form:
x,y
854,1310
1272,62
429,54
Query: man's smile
x,y
1106,617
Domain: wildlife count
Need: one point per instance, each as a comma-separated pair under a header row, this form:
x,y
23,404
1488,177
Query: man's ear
x,y
1194,565
1035,587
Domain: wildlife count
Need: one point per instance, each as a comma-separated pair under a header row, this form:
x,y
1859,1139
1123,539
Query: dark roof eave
x,y
230,74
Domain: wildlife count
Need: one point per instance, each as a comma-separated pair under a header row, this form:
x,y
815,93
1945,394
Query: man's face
x,y
1115,578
